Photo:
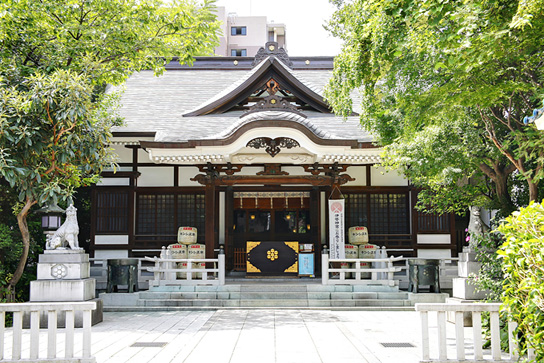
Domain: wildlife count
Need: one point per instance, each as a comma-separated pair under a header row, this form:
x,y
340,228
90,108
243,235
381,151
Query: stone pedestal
x,y
64,275
463,290
468,265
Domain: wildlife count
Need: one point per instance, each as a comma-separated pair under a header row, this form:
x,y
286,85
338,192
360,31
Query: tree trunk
x,y
503,193
499,174
23,227
533,191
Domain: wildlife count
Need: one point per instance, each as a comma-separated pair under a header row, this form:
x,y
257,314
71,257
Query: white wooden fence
x,y
462,354
166,271
21,338
447,270
381,274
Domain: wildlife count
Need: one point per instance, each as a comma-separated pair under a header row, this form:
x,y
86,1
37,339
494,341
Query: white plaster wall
x,y
156,176
434,239
105,254
380,177
111,239
434,253
143,156
357,172
124,154
114,182
185,175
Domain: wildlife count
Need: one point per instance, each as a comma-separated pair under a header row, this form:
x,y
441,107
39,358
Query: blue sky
x,y
304,21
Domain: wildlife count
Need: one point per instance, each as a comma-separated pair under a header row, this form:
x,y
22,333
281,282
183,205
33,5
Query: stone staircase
x,y
268,295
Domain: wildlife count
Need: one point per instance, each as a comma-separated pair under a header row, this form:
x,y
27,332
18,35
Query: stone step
x,y
273,288
273,295
381,295
295,303
256,294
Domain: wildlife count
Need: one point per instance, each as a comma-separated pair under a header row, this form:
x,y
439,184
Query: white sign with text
x,y
336,228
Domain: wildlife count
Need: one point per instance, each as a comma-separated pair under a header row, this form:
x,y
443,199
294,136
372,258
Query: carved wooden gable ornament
x,y
270,85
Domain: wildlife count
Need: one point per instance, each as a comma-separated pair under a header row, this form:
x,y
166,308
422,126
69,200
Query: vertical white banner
x,y
336,228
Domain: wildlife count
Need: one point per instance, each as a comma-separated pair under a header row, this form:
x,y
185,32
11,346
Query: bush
x,y
523,267
490,277
11,247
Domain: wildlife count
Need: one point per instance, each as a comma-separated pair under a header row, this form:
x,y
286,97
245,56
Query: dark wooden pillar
x,y
210,210
132,202
453,236
229,223
210,219
315,223
415,218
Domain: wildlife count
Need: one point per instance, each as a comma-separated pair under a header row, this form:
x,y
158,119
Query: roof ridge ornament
x,y
273,103
271,49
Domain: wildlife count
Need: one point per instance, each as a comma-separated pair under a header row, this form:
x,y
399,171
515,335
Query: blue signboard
x,y
306,264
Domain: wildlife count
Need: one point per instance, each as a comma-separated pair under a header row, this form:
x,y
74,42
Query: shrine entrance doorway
x,y
271,221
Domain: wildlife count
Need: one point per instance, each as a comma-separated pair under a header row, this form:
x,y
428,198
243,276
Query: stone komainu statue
x,y
476,225
66,236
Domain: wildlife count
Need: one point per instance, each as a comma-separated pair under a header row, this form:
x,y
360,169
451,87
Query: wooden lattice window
x,y
155,214
356,205
112,211
389,213
159,215
381,213
191,212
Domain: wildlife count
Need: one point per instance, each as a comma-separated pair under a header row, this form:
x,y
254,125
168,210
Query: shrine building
x,y
247,149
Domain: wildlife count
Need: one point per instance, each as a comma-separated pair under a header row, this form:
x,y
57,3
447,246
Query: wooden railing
x,y
462,355
22,339
380,274
166,271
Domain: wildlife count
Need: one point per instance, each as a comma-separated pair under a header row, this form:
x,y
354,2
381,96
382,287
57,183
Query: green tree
x,y
55,59
445,86
105,39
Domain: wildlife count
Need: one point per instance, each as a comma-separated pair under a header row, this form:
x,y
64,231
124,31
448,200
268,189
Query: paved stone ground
x,y
262,336
255,335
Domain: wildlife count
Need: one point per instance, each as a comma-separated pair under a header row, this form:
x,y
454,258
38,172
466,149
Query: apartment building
x,y
244,35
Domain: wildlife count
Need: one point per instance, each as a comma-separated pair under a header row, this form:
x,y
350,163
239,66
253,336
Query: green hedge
x,y
523,289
